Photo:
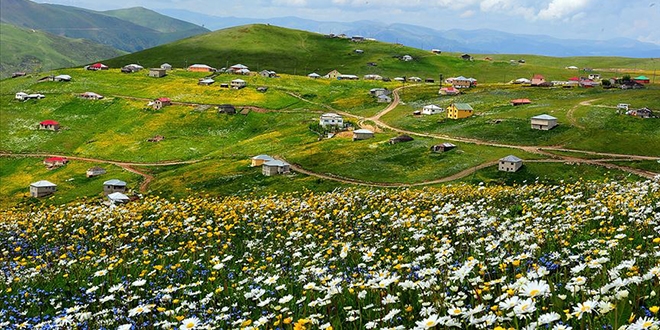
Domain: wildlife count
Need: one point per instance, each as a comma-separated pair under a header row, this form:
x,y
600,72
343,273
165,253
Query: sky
x,y
566,19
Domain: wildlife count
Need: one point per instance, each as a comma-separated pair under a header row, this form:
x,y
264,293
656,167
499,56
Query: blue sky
x,y
572,19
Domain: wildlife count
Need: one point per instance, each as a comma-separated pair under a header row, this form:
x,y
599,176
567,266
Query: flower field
x,y
584,255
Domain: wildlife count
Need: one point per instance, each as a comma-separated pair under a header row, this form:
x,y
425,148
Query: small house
x,y
436,51
22,96
118,198
466,57
42,188
631,85
384,99
459,110
275,167
543,122
522,81
594,76
622,107
130,68
157,72
314,75
227,108
260,160
62,77
362,134
331,119
96,67
224,85
406,58
200,68
268,74
50,125
52,162
641,80
114,185
415,79
641,113
358,51
262,89
462,82
401,79
166,66
571,67
510,164
588,83
429,80
537,80
517,102
379,91
449,91
334,74
91,96
431,109
18,74
348,77
357,38
401,138
443,147
205,81
95,171
372,77
161,102
238,83
239,69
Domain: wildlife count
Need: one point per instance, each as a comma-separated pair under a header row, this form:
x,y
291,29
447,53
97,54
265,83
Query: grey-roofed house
x,y
114,185
157,72
543,122
166,66
238,83
118,198
95,171
259,160
42,188
510,164
442,147
205,81
275,167
362,134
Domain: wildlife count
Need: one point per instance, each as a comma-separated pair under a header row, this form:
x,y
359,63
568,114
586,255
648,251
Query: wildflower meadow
x,y
584,255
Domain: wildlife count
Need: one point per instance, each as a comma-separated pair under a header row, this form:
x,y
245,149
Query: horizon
x,y
560,19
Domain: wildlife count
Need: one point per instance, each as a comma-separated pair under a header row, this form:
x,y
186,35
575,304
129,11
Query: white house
x,y
362,134
238,83
275,167
259,160
543,122
42,188
431,109
510,164
114,185
407,58
314,75
331,119
118,198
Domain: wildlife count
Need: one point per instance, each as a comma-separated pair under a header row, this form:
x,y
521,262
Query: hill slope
x,y
31,50
155,21
76,22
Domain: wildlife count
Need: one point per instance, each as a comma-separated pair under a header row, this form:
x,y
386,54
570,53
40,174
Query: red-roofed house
x,y
55,161
641,79
49,125
448,91
520,102
537,79
97,66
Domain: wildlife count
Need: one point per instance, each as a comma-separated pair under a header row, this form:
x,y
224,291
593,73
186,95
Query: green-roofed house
x,y
459,110
641,79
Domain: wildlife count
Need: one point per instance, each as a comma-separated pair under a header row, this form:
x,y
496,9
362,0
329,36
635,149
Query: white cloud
x,y
467,13
558,9
293,3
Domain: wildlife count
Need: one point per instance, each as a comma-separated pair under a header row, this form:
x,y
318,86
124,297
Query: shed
x,y
446,146
226,108
50,125
431,109
275,167
157,72
362,134
95,171
401,138
42,188
331,119
543,122
114,185
258,160
459,110
166,66
510,164
118,198
520,102
205,81
238,83
161,102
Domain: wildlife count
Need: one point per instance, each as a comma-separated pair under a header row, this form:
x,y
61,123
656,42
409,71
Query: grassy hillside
x,y
155,21
76,22
300,52
34,51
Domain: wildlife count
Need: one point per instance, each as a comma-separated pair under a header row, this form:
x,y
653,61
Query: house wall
x,y
199,69
362,136
509,166
157,73
49,127
269,170
454,113
41,191
543,125
109,189
257,162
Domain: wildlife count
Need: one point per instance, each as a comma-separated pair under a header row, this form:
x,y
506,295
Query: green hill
x,y
300,52
33,51
100,27
155,21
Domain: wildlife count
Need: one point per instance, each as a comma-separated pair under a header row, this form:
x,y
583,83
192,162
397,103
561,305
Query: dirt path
x,y
128,166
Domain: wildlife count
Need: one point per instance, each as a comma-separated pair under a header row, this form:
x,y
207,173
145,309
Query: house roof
x,y
207,81
276,163
511,159
55,159
117,196
98,65
363,131
544,117
200,66
63,77
238,66
313,74
91,94
521,101
43,183
96,169
114,182
331,115
164,99
538,76
402,138
641,78
263,157
49,122
462,106
432,107
238,80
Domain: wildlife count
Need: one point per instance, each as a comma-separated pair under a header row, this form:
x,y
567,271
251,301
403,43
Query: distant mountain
x,y
32,51
481,41
130,29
